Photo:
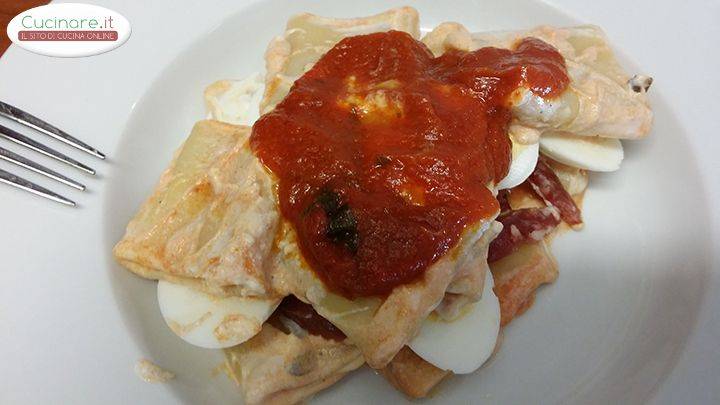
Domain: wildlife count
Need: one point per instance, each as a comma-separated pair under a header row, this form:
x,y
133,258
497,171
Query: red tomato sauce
x,y
384,153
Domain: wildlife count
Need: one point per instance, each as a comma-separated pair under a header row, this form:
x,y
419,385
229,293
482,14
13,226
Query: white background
x,y
676,42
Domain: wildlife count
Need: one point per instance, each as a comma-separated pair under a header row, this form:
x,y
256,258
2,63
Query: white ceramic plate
x,y
630,319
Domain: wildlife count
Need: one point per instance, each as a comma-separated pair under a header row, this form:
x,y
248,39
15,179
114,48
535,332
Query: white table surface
x,y
688,66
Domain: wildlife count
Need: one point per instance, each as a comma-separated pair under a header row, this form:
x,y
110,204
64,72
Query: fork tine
x,y
23,140
19,182
36,123
38,168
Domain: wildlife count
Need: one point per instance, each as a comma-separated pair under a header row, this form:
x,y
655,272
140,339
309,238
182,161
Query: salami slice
x,y
528,225
548,187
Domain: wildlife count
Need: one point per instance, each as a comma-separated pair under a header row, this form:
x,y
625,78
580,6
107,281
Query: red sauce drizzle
x,y
383,152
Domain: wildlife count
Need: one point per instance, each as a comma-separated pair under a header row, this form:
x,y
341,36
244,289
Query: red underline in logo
x,y
67,36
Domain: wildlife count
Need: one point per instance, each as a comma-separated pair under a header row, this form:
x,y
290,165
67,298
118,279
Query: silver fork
x,y
20,116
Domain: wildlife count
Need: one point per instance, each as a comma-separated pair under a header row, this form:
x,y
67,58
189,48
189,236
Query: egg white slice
x,y
524,159
464,344
584,152
212,322
235,101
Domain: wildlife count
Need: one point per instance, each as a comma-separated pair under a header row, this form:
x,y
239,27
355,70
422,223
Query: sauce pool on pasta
x,y
384,153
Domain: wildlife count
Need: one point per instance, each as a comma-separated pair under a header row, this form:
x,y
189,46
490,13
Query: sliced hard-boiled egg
x,y
584,152
235,101
464,344
212,322
524,159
